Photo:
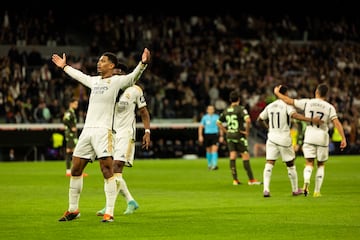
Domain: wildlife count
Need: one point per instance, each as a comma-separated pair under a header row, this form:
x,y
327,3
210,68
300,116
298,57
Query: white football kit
x,y
316,139
96,138
125,124
278,142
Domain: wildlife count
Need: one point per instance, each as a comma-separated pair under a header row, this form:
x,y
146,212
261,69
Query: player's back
x,y
315,107
234,117
278,113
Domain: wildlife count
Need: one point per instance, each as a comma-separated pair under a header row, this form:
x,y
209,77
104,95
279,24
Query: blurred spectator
x,y
11,155
209,55
42,113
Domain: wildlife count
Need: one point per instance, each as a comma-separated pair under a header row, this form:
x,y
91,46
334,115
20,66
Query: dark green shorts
x,y
71,142
239,146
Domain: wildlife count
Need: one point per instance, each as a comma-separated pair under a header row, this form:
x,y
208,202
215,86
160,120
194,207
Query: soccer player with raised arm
x,y
316,139
276,117
96,138
131,100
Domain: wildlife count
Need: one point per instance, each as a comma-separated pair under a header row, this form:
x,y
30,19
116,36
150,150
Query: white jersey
x,y
103,94
125,124
314,107
278,113
125,114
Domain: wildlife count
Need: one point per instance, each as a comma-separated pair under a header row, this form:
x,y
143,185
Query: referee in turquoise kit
x,y
209,134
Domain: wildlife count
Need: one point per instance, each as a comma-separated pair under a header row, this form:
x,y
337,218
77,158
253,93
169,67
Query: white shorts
x,y
94,142
316,136
321,153
274,151
124,148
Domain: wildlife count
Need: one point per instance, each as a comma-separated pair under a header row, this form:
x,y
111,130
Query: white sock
x,y
117,179
293,178
267,176
307,174
110,194
76,185
320,173
124,190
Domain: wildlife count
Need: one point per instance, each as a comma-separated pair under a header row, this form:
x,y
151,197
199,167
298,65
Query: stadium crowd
x,y
197,60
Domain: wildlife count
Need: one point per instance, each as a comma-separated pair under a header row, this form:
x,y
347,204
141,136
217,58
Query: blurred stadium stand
x,y
197,59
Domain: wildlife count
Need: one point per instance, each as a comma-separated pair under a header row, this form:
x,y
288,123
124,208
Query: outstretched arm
x,y
72,72
283,97
135,75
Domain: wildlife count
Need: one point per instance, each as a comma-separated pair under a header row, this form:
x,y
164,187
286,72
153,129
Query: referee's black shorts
x,y
211,139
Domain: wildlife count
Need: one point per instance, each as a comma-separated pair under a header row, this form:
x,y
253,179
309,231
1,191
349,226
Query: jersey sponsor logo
x,y
99,89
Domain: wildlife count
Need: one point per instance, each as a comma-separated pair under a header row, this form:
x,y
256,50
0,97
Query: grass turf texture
x,y
181,199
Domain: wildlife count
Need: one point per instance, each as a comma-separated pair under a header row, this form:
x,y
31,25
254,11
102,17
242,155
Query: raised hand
x,y
145,58
59,61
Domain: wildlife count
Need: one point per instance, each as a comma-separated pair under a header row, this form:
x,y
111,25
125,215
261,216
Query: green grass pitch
x,y
181,199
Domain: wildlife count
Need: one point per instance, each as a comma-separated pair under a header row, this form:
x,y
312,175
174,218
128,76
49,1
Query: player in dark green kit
x,y
71,132
235,122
